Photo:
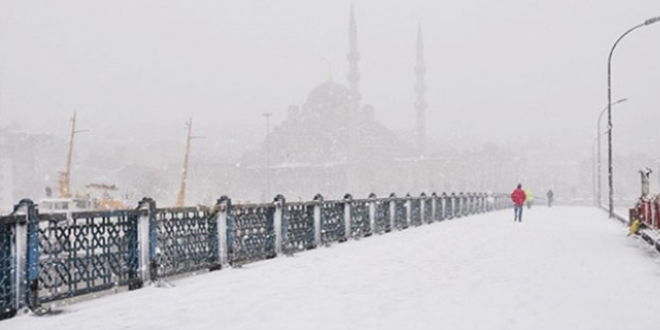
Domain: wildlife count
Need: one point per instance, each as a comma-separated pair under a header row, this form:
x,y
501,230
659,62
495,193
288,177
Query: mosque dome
x,y
328,96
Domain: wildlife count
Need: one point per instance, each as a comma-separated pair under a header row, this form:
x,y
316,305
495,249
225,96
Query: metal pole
x,y
599,163
609,110
600,176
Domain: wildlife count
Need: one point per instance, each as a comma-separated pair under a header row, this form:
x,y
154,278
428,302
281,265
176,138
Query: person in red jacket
x,y
518,197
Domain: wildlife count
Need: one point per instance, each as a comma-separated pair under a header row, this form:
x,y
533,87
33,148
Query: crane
x,y
180,200
65,177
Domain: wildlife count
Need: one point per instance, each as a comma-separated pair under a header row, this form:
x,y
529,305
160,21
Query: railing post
x,y
347,216
318,201
466,204
225,236
477,203
483,203
422,208
20,255
26,256
32,254
458,205
214,238
434,206
408,210
278,223
449,211
392,202
372,213
147,238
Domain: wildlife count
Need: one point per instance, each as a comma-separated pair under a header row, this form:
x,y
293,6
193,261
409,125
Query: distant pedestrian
x,y
518,197
551,196
529,198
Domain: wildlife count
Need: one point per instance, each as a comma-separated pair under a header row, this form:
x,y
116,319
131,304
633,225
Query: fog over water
x,y
525,78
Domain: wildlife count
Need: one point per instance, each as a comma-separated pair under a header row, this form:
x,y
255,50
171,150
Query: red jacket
x,y
518,196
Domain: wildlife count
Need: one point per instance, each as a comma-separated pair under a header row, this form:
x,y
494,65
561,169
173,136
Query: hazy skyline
x,y
505,71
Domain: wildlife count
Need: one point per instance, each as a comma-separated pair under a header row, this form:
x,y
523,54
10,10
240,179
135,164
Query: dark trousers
x,y
517,212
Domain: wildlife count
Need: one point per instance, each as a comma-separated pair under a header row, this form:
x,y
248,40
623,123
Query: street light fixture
x,y
609,107
598,135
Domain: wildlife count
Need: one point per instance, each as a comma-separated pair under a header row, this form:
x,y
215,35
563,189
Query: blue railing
x,y
53,256
85,252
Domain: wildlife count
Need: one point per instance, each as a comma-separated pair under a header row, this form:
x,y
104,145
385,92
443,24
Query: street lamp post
x,y
595,161
267,115
598,135
609,108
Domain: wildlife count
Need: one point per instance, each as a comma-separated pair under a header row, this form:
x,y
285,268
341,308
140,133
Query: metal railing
x,y
46,257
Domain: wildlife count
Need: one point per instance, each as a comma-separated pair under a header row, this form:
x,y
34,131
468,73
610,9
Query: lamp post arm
x,y
621,37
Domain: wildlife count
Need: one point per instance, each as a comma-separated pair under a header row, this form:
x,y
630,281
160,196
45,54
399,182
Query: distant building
x,y
28,164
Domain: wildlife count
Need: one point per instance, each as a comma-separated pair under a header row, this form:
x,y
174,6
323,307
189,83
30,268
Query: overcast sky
x,y
497,70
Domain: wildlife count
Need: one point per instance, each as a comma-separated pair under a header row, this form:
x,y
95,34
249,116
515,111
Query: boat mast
x,y
180,200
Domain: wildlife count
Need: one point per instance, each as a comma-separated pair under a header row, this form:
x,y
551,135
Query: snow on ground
x,y
561,268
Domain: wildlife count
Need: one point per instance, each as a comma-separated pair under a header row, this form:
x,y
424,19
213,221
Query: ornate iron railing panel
x,y
360,226
469,209
7,286
382,216
459,204
441,207
252,233
451,206
299,223
184,241
332,222
415,212
86,252
400,213
481,203
428,210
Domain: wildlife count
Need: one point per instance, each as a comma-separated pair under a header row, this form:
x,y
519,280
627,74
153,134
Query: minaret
x,y
353,55
420,90
353,76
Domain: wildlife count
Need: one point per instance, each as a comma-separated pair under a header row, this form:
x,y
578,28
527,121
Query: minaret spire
x,y
420,90
353,55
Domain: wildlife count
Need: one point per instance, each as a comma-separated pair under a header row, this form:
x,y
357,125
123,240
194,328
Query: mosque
x,y
332,143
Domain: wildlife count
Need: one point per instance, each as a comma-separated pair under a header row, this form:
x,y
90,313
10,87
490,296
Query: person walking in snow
x,y
551,196
518,197
529,198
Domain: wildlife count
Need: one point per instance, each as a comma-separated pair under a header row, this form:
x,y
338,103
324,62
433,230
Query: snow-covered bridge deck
x,y
561,268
